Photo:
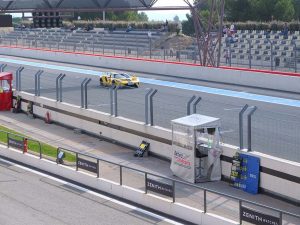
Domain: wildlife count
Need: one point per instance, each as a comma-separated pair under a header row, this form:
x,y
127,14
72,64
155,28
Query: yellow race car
x,y
113,79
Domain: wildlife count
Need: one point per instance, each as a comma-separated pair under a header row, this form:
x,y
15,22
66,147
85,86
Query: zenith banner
x,y
258,218
87,165
159,187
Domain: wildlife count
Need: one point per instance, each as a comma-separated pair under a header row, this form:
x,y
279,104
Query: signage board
x,y
257,218
247,173
6,21
87,165
159,187
18,144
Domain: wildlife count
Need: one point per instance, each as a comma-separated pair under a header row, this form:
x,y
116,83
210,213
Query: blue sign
x,y
246,175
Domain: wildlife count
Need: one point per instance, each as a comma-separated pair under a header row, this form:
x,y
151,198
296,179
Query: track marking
x,y
190,87
96,194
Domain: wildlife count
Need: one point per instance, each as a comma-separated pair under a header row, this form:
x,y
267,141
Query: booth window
x,y
4,86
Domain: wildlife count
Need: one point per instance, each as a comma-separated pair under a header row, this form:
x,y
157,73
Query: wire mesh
x,y
131,103
167,107
276,134
98,96
229,115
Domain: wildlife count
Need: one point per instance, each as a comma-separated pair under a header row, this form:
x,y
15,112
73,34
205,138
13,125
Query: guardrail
x,y
92,164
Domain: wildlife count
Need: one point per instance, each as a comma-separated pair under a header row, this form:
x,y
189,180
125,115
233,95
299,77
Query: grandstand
x,y
267,50
285,51
98,40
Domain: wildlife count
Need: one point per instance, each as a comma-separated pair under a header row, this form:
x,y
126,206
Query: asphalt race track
x,y
29,197
275,126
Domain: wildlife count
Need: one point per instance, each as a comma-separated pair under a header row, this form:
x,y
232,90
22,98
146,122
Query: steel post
x,y
272,54
2,67
295,53
20,80
111,101
85,91
147,106
39,83
57,86
188,107
250,55
230,54
151,107
241,129
82,92
36,82
116,100
60,87
18,77
195,104
253,109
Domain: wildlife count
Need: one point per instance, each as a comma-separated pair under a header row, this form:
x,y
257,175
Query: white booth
x,y
196,148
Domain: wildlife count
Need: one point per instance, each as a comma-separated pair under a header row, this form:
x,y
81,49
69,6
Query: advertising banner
x,y
87,165
159,187
258,218
183,163
18,144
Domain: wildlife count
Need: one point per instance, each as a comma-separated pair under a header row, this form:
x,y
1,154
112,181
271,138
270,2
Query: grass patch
x,y
47,150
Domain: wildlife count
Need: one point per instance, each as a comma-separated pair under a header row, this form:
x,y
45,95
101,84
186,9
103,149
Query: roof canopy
x,y
7,5
6,76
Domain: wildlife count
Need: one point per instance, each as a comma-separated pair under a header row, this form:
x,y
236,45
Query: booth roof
x,y
198,121
6,76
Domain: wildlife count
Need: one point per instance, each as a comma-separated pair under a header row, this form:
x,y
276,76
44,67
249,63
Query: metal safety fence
x,y
202,198
259,130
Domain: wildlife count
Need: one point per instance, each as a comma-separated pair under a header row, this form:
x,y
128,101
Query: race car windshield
x,y
125,75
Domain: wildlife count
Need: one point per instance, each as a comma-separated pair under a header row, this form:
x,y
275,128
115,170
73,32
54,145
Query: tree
x,y
237,10
297,9
188,26
284,10
176,19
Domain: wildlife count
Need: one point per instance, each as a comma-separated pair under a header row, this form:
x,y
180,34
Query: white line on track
x,y
96,194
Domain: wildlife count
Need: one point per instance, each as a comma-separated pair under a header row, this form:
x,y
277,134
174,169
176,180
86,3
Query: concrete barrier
x,y
156,203
271,80
132,133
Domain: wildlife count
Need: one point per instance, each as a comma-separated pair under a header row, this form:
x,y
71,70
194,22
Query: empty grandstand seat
x,y
283,42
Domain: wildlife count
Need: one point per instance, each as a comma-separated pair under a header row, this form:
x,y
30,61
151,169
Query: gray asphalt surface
x,y
275,129
31,199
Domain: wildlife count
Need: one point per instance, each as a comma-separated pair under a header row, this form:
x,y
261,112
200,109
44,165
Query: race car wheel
x,y
101,82
136,85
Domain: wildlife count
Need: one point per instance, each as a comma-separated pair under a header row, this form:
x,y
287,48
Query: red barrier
x,y
158,61
5,91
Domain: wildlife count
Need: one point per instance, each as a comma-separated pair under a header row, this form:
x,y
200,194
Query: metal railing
x,y
172,182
